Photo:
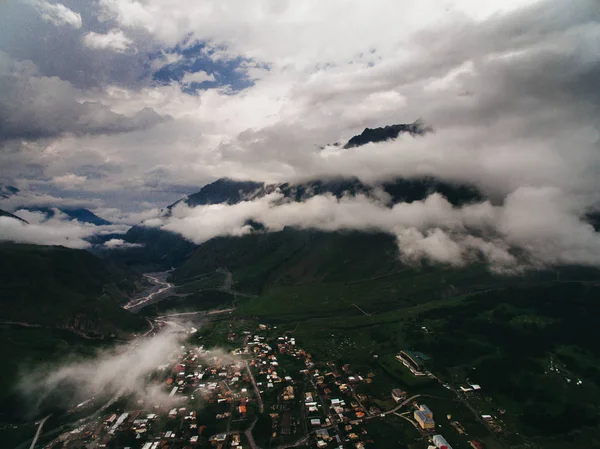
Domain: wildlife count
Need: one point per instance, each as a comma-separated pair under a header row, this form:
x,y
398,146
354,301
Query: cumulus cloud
x,y
34,107
114,40
56,13
197,77
509,88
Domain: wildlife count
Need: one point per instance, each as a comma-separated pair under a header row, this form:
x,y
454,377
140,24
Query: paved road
x,y
202,312
39,430
151,327
399,406
261,406
249,436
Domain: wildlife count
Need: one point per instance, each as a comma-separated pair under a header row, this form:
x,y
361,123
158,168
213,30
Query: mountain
x,y
75,213
165,249
64,288
223,190
3,213
79,214
390,132
159,249
7,191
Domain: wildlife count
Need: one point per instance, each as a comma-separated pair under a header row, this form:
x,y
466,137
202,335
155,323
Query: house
x,y
424,421
398,395
440,442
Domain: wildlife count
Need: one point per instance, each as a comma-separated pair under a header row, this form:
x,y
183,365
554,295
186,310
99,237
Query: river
x,y
161,289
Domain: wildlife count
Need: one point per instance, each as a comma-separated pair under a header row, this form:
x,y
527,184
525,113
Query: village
x,y
266,392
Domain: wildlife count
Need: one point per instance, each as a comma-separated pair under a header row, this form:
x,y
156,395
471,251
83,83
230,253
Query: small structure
x,y
414,361
424,421
398,395
440,442
424,416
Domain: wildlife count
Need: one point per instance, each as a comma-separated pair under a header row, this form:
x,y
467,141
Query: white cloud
x,y
540,224
266,31
115,215
56,13
69,181
197,77
114,40
25,199
509,88
119,371
120,244
57,230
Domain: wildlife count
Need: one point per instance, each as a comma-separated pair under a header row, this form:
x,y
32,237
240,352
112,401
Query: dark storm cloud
x,y
34,107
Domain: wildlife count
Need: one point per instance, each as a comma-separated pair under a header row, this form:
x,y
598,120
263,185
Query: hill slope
x,y
65,288
3,213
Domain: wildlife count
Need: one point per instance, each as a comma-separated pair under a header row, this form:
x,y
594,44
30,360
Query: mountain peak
x,y
223,190
373,135
3,213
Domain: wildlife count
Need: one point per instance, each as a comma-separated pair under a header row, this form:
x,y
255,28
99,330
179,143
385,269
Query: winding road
x,y
39,431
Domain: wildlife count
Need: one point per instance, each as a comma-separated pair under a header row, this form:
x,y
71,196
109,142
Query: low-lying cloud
x,y
56,230
532,227
120,244
124,370
121,370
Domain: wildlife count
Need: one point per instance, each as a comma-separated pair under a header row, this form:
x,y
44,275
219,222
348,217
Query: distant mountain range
x,y
79,214
75,213
166,249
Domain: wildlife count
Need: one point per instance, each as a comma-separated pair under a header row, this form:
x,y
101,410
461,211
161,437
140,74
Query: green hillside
x,y
65,288
347,297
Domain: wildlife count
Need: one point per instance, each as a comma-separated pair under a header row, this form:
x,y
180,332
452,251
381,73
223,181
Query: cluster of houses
x,y
196,379
205,395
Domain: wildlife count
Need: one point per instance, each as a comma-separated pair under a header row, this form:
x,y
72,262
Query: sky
x,y
124,106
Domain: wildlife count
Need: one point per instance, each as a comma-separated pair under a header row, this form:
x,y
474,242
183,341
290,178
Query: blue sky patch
x,y
197,57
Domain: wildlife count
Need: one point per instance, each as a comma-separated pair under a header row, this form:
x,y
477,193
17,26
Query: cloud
x,y
56,13
57,230
69,181
509,88
197,77
120,244
34,107
119,371
25,199
115,215
114,40
535,227
124,370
